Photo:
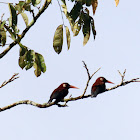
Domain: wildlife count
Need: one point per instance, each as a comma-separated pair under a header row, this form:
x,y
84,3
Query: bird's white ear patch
x,y
101,79
64,85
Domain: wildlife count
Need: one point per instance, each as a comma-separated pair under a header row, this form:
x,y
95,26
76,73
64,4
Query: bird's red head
x,y
102,80
67,86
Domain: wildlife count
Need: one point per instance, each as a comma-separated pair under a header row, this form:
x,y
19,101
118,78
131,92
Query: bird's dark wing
x,y
97,89
58,94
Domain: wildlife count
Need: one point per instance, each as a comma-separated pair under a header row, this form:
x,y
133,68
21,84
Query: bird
x,y
59,93
99,86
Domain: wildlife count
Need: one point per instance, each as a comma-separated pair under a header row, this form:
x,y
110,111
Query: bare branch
x,y
83,96
122,75
10,80
89,77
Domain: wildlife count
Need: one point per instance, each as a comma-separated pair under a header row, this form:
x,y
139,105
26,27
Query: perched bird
x,y
99,86
59,93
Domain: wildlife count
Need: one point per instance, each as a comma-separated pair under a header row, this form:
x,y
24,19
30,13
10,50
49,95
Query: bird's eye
x,y
64,85
101,79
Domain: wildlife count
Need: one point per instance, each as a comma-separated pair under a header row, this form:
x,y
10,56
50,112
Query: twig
x,y
46,105
89,77
61,13
10,80
122,75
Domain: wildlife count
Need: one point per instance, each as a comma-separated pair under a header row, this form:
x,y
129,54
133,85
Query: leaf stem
x,y
61,13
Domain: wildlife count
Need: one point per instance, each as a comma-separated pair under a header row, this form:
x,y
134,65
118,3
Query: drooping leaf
x,y
3,37
27,7
68,37
75,12
30,58
58,39
93,28
13,35
39,64
116,2
25,18
86,28
94,5
28,1
35,2
77,28
88,2
13,16
20,6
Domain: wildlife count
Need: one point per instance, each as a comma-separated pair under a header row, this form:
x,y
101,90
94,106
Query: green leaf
x,y
25,18
3,37
20,6
86,28
35,2
77,28
88,2
58,39
93,28
13,16
68,37
27,7
40,62
13,35
30,58
75,12
22,59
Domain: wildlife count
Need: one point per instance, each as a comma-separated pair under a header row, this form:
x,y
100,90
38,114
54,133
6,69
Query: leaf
x,y
86,28
30,58
94,5
20,6
86,38
117,2
77,28
93,27
3,37
13,35
39,64
58,39
13,16
22,58
75,12
25,18
40,61
35,2
68,37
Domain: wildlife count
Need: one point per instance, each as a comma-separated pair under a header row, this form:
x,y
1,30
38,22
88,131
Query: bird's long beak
x,y
73,87
109,82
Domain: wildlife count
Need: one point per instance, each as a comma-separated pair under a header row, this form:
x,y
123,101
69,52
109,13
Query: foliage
x,y
79,19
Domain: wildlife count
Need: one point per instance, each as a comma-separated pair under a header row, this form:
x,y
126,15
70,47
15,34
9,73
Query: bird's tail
x,y
93,96
50,101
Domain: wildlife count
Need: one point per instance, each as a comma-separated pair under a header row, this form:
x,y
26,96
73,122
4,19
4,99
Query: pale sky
x,y
113,115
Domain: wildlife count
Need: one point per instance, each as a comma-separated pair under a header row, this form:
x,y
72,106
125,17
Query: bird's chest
x,y
64,93
101,88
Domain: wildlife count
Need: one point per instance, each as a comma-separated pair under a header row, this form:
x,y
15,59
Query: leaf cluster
x,y
79,19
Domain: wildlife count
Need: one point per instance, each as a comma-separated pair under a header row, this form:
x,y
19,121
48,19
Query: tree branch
x,y
10,80
44,7
83,96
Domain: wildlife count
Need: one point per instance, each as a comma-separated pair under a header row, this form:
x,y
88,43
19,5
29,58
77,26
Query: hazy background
x,y
113,115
